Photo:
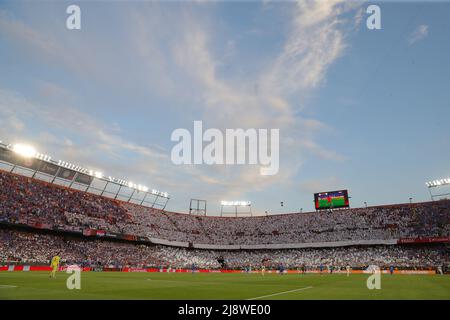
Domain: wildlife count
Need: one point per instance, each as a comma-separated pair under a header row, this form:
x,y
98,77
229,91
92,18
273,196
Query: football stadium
x,y
224,150
130,249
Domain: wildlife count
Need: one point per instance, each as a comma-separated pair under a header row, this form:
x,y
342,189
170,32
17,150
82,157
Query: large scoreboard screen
x,y
331,199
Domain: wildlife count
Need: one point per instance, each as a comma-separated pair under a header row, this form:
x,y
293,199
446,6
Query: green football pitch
x,y
335,202
117,285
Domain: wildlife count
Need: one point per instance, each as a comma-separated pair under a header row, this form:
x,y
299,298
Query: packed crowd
x,y
38,248
28,201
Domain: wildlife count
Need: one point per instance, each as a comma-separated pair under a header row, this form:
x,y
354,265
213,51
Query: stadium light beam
x,y
24,150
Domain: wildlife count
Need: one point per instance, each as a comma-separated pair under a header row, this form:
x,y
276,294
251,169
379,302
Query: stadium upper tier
x,y
29,201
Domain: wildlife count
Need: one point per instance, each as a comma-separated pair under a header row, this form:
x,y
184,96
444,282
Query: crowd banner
x,y
413,272
423,240
295,245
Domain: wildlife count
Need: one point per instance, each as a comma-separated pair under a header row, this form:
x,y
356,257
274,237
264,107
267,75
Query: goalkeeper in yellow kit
x,y
54,265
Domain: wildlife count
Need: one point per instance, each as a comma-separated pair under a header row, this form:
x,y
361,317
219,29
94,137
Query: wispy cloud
x,y
314,42
316,39
420,33
317,185
180,62
93,136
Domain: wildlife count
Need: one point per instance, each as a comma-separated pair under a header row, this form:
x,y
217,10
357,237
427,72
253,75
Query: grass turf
x,y
118,285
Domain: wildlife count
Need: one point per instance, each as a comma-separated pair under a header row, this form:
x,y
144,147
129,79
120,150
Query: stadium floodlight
x,y
160,193
41,156
438,182
98,174
74,167
24,150
119,181
236,203
28,151
140,187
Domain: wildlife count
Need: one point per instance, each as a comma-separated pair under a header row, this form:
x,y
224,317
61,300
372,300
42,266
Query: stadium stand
x,y
29,201
357,236
34,248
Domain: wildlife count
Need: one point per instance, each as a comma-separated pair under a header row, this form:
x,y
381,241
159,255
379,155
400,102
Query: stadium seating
x,y
37,248
29,201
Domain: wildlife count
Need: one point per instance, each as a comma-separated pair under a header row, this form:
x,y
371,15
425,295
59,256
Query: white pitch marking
x,y
7,286
280,293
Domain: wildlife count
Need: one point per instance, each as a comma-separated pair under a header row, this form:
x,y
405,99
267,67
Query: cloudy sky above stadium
x,y
358,109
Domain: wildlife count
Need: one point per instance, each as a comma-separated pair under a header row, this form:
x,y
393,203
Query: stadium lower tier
x,y
26,247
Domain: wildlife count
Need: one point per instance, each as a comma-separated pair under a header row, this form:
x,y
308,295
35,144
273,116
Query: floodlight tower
x,y
197,207
236,205
440,184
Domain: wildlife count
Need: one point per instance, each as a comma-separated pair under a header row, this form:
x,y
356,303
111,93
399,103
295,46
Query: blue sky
x,y
366,110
